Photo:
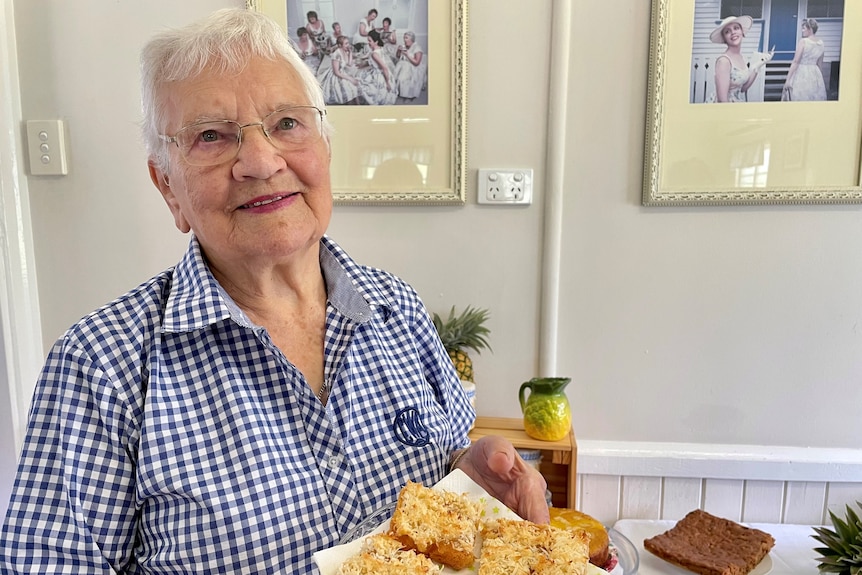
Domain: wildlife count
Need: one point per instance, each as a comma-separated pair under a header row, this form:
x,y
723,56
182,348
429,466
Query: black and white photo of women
x,y
383,59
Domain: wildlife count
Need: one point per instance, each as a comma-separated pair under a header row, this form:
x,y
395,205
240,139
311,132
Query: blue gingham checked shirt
x,y
168,434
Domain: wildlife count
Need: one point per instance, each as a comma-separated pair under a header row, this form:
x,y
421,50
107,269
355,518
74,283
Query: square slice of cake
x,y
513,547
439,524
383,555
710,545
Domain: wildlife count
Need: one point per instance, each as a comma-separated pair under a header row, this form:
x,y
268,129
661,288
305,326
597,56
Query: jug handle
x,y
521,398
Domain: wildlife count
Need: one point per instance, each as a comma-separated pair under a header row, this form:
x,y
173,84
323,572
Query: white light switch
x,y
46,144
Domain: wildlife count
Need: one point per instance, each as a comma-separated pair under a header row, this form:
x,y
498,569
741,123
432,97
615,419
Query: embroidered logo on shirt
x,y
409,428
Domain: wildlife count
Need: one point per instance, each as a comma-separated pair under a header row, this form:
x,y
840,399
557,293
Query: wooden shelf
x,y
559,458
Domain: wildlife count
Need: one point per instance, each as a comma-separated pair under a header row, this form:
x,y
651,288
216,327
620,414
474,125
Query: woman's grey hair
x,y
811,24
224,42
410,34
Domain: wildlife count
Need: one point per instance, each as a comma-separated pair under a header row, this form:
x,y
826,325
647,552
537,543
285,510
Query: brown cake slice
x,y
711,545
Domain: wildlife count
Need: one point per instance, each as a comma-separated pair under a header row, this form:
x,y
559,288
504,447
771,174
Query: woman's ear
x,y
161,180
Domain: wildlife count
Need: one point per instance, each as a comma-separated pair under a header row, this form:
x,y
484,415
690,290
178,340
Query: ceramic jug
x,y
547,414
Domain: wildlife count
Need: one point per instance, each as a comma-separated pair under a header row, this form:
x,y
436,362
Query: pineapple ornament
x,y
460,333
842,553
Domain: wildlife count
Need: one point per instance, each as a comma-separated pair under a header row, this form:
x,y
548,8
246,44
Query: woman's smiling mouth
x,y
257,203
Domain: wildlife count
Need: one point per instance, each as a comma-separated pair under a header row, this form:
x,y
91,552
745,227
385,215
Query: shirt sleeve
x,y
73,503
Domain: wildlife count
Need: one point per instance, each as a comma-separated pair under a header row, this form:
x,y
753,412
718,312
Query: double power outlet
x,y
506,187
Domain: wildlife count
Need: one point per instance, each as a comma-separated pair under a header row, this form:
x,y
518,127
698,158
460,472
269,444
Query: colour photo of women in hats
x,y
772,54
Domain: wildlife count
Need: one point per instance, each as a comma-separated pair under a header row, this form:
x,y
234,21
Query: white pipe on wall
x,y
555,170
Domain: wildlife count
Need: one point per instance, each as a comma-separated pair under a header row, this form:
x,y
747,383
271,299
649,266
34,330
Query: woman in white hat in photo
x,y
733,77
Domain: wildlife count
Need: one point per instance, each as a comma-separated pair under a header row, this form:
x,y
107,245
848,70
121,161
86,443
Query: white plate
x,y
763,567
329,560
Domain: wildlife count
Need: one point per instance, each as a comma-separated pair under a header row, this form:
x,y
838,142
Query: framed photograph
x,y
754,102
393,73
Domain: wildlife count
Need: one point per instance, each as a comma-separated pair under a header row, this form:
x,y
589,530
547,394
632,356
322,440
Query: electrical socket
x,y
513,187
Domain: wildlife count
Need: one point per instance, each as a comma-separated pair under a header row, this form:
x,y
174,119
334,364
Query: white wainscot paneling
x,y
681,495
838,497
763,501
641,497
599,496
752,484
804,502
723,497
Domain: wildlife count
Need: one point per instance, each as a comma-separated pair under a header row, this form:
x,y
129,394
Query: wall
x,y
711,325
735,325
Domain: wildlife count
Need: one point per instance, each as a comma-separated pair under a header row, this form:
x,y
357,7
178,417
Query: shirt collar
x,y
196,300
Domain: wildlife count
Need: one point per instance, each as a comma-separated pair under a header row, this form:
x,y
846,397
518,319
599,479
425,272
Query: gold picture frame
x,y
748,152
423,145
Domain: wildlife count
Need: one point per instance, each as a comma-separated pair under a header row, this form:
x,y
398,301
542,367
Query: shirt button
x,y
334,461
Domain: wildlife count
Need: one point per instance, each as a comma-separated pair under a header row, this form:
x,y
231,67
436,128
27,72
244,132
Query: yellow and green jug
x,y
547,414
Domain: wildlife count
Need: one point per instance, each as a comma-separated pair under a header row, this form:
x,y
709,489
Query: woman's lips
x,y
266,201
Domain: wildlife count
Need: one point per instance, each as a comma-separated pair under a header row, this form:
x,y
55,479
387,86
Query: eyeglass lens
x,y
210,143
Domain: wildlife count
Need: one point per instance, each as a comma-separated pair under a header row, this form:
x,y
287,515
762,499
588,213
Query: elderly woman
x,y
733,76
249,406
411,68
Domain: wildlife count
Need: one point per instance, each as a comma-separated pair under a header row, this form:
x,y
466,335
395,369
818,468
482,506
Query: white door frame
x,y
21,352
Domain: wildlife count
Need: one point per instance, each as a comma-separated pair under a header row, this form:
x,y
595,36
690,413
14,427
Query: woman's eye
x,y
209,136
287,124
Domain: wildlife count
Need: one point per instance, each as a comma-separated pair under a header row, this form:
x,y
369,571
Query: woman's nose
x,y
257,157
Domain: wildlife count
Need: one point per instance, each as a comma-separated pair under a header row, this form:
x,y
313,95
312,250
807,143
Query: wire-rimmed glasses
x,y
213,142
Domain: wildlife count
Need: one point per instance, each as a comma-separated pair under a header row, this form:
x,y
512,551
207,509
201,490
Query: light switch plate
x,y
46,145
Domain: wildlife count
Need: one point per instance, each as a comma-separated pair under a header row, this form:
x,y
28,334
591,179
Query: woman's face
x,y
386,24
408,41
265,204
806,31
337,29
312,19
733,34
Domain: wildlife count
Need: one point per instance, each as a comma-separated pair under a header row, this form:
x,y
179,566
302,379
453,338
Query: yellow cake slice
x,y
439,524
383,555
513,547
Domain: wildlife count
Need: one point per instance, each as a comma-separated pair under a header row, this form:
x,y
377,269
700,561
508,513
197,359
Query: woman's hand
x,y
493,463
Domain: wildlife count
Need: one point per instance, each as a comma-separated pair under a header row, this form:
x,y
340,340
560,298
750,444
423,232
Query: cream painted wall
x,y
715,325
